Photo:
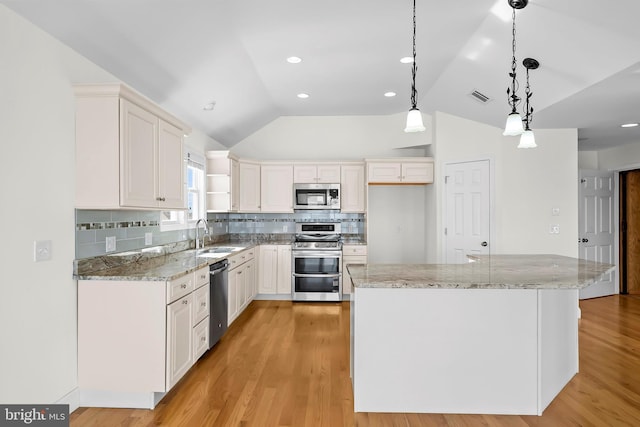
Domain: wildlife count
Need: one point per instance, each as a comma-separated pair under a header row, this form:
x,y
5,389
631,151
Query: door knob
x,y
484,244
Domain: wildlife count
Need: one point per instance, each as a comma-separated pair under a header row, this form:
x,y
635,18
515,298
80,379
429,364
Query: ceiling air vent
x,y
480,97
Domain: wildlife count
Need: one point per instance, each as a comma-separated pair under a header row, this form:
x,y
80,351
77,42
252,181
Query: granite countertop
x,y
484,272
163,265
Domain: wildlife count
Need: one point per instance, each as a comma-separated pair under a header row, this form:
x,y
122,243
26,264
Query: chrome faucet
x,y
206,232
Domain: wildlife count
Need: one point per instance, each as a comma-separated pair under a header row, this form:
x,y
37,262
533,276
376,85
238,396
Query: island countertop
x,y
484,272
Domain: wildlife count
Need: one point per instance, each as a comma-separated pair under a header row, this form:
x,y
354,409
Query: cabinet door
x,y
171,171
232,296
249,187
268,269
352,189
250,280
241,294
304,174
329,174
179,339
421,173
139,156
284,270
384,172
276,188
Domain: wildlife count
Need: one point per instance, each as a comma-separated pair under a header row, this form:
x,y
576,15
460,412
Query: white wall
x,y
334,138
528,183
38,312
620,158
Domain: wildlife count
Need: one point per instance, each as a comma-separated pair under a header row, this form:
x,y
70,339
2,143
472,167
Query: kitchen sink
x,y
220,250
217,252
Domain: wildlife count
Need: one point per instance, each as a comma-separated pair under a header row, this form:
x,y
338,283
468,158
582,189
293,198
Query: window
x,y
195,195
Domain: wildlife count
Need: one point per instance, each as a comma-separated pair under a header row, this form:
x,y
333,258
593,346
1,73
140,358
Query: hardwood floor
x,y
285,364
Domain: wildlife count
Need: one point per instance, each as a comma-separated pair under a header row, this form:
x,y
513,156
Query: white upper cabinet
x,y
249,187
316,173
129,152
400,171
276,188
352,188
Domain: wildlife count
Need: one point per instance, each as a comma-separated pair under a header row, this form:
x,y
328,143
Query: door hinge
x,y
446,179
445,231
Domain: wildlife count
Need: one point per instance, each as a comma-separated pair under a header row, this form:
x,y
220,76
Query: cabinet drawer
x,y
234,261
348,250
201,304
201,277
179,287
240,258
200,338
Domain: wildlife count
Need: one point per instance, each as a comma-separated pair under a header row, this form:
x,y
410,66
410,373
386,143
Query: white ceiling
x,y
186,53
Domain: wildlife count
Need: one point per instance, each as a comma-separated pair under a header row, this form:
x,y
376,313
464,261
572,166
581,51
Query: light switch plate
x,y
41,250
148,238
111,243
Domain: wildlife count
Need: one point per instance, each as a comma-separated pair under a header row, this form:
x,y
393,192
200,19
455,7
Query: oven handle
x,y
316,275
316,254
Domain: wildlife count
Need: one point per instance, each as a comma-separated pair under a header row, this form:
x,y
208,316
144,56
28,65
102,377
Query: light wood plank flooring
x,y
285,364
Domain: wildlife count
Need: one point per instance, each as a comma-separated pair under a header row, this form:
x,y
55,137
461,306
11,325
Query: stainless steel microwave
x,y
316,196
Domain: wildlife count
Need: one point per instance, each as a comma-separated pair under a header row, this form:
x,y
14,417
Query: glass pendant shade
x,y
527,140
514,125
414,121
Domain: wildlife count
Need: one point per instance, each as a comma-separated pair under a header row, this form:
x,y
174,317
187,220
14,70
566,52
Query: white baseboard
x,y
72,399
110,399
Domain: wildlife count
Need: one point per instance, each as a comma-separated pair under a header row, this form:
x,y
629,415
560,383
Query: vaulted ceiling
x,y
184,54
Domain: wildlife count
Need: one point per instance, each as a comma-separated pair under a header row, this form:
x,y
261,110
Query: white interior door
x,y
467,218
596,233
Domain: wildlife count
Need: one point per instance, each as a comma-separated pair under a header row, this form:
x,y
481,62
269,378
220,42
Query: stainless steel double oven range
x,y
317,262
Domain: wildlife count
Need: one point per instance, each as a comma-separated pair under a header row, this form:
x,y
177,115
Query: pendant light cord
x,y
415,67
528,110
512,98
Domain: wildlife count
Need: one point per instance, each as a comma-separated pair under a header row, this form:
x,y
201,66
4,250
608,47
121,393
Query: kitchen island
x,y
498,335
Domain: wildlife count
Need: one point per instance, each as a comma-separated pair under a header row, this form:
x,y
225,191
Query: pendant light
x,y
514,121
414,118
527,140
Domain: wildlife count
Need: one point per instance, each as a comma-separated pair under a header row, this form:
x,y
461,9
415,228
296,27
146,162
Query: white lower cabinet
x,y
136,339
242,281
351,254
275,270
179,339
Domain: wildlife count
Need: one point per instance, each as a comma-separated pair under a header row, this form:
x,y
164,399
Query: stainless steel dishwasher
x,y
219,291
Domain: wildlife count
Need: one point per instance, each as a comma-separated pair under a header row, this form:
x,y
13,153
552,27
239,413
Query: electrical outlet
x,y
111,244
554,229
41,250
148,238
555,211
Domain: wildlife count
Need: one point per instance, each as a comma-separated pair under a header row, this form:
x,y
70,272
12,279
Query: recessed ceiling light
x,y
303,95
389,94
294,60
629,125
406,60
208,107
